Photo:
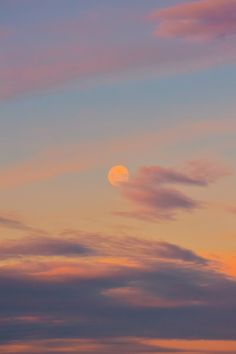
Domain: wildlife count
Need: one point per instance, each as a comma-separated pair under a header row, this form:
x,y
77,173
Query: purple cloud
x,y
202,19
169,284
155,190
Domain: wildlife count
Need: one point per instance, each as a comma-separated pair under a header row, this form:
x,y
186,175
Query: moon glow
x,y
117,175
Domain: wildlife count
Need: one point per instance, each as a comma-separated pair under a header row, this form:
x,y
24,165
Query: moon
x,y
118,174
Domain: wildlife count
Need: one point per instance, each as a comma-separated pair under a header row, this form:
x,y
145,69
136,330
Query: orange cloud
x,y
197,346
131,345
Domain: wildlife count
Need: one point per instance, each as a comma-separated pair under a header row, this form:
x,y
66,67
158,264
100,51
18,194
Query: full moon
x,y
117,175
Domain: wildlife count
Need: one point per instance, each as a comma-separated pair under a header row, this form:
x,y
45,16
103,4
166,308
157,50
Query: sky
x,y
147,265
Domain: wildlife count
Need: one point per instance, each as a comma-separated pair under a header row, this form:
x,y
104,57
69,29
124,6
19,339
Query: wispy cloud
x,y
155,190
56,161
59,61
201,19
42,246
86,346
72,243
11,221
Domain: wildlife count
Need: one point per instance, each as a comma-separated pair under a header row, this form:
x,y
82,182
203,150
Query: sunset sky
x,y
145,264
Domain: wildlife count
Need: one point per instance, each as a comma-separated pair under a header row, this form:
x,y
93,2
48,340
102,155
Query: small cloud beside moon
x,y
118,174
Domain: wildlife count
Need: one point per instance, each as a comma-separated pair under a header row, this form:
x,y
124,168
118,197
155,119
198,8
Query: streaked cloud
x,y
56,161
165,283
41,245
120,345
72,243
201,19
13,223
86,346
155,190
81,60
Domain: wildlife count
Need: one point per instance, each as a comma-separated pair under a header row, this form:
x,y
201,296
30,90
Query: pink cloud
x,y
56,68
86,55
156,190
202,19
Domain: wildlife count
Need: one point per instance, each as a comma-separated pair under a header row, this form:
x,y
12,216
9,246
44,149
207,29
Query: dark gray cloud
x,y
42,246
191,299
86,313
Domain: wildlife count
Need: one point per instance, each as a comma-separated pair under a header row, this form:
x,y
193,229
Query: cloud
x,y
154,189
171,251
201,19
42,246
57,161
117,346
86,346
159,291
168,292
13,223
52,70
72,243
57,62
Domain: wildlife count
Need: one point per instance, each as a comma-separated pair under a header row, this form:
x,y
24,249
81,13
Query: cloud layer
x,y
95,288
92,49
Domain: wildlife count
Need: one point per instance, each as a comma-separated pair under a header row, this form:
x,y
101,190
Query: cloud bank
x,y
95,288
